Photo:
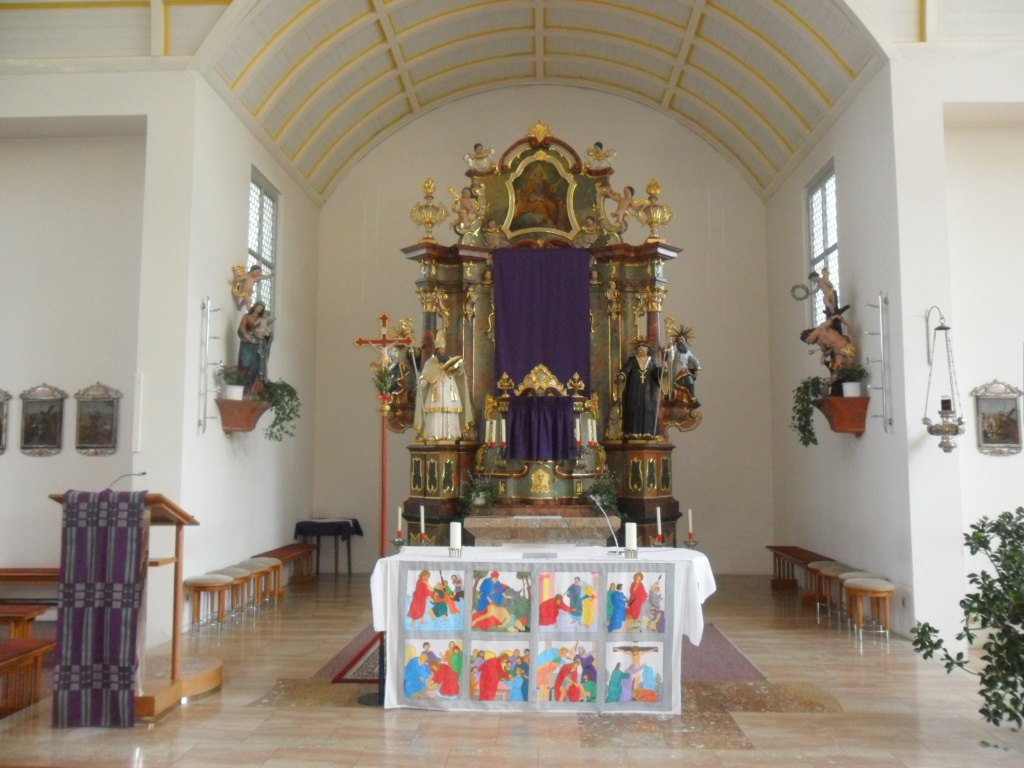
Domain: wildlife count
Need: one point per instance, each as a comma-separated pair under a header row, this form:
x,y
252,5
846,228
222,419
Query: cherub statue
x,y
600,161
466,208
244,282
624,206
492,236
481,162
589,234
830,296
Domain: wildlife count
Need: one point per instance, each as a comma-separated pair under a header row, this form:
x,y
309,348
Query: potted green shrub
x,y
995,614
262,395
606,490
851,378
481,492
235,382
285,402
805,395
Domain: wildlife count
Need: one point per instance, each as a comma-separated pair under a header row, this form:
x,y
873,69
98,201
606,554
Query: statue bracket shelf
x,y
845,414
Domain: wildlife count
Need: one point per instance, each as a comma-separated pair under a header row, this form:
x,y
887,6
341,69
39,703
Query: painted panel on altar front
x,y
568,601
501,601
500,670
434,600
433,669
636,601
566,672
635,672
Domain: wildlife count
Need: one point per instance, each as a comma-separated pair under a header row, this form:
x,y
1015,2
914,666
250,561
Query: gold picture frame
x,y
97,421
997,413
42,420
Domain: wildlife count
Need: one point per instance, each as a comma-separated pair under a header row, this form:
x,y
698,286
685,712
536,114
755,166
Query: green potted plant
x,y
995,614
481,492
606,489
235,382
851,378
805,395
284,400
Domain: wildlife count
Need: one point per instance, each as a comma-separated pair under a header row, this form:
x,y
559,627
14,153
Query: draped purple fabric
x,y
541,428
542,312
542,315
102,577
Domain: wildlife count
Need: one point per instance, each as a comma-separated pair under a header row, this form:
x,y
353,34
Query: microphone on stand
x,y
597,501
127,474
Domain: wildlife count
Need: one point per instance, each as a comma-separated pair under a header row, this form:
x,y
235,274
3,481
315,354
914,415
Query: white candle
x,y
576,430
689,520
423,522
630,535
399,522
657,511
455,535
504,434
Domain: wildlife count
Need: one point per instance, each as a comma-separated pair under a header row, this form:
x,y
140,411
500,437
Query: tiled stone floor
x,y
828,701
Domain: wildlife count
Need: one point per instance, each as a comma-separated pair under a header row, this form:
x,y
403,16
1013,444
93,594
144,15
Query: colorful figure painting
x,y
501,601
568,602
635,602
499,671
433,602
634,672
566,672
430,673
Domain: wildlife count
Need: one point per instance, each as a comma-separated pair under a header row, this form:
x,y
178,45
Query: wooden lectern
x,y
163,694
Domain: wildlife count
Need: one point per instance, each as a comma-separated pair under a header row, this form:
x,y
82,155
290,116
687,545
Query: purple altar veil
x,y
542,315
102,577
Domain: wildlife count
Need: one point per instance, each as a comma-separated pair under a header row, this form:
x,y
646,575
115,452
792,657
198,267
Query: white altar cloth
x,y
684,581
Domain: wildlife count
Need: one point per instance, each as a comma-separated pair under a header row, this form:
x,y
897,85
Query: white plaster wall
x,y
187,210
70,231
985,185
723,468
845,498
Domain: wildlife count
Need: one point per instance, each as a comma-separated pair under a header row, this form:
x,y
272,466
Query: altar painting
x,y
636,601
433,668
540,192
568,601
499,670
566,672
634,671
501,601
434,600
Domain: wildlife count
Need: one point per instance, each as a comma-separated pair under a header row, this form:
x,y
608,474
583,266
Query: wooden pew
x,y
301,557
21,669
20,618
786,560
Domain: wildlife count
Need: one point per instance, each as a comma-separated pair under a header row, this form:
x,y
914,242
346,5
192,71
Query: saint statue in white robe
x,y
442,402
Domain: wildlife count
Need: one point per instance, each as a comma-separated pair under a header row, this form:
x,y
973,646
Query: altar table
x,y
572,629
338,527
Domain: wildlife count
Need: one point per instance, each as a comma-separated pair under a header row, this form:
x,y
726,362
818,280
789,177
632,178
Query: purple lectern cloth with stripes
x,y
102,576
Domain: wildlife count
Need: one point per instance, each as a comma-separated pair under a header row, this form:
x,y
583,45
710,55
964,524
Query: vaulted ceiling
x,y
323,81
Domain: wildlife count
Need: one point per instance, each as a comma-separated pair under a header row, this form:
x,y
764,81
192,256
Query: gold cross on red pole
x,y
383,344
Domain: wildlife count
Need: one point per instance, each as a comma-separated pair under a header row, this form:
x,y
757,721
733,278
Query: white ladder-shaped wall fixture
x,y
204,364
883,360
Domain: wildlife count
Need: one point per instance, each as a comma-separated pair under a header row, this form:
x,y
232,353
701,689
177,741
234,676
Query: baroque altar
x,y
544,366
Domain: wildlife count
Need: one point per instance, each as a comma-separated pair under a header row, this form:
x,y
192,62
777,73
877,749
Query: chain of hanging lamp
x,y
952,422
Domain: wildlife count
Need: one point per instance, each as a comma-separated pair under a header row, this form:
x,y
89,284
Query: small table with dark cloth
x,y
338,527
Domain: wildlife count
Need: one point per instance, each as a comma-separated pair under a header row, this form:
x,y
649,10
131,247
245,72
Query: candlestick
x,y
657,511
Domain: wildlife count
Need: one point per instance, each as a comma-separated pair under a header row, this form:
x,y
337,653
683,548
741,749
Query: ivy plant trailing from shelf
x,y
802,420
284,400
997,608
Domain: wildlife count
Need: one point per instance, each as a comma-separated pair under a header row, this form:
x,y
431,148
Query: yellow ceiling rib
x,y
470,86
273,38
309,54
358,149
71,6
824,43
767,83
167,16
740,97
591,31
716,139
782,54
456,40
470,63
660,19
334,74
607,59
739,128
433,19
332,112
608,84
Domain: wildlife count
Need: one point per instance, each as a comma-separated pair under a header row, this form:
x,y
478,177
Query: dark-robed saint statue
x,y
641,393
